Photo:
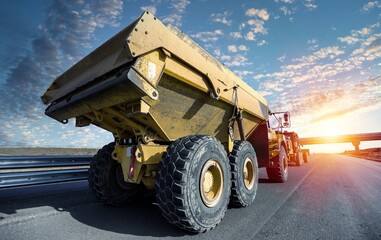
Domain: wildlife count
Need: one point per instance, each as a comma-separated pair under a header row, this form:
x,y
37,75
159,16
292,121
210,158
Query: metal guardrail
x,y
18,171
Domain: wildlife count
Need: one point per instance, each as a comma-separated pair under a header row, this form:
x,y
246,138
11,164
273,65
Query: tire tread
x,y
171,186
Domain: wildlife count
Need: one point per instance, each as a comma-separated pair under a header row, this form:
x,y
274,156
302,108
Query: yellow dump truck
x,y
184,125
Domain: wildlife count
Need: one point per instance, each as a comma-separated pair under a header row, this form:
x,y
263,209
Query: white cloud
x,y
285,1
357,51
235,60
261,13
222,18
208,36
328,78
373,52
357,36
67,30
151,8
310,4
282,58
242,73
243,48
238,60
236,35
234,48
242,26
312,41
262,43
178,7
217,52
286,11
250,36
259,76
219,32
365,31
370,40
313,44
349,40
368,49
265,93
106,12
225,57
272,85
330,52
295,67
257,26
86,12
370,5
309,68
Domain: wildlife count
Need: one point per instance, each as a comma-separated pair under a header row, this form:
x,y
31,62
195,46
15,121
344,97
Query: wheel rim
x,y
211,183
248,173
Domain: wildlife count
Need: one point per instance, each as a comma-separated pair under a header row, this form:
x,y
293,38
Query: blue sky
x,y
320,60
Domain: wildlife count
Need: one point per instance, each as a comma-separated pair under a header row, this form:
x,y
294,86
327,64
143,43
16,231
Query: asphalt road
x,y
332,197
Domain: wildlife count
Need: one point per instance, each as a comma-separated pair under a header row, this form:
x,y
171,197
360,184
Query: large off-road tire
x,y
299,158
279,173
193,183
306,157
106,179
244,170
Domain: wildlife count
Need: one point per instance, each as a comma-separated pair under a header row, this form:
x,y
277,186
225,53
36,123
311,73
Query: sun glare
x,y
331,127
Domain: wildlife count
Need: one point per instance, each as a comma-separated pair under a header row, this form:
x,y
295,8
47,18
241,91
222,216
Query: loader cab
x,y
286,120
281,120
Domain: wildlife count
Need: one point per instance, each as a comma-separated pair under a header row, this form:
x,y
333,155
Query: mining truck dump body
x,y
183,123
150,77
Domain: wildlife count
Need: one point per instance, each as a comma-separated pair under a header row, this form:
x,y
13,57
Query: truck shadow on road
x,y
140,218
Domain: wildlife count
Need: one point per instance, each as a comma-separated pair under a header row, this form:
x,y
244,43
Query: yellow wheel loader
x,y
289,148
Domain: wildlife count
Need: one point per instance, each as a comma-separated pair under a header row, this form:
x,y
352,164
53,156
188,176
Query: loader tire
x,y
279,173
244,170
305,157
193,183
106,179
299,158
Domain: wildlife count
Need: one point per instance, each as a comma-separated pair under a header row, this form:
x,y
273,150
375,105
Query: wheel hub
x,y
211,183
248,173
208,181
285,164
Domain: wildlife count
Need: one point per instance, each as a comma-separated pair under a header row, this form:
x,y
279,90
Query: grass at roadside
x,y
371,154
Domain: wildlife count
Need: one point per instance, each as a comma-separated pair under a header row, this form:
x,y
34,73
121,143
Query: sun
x,y
330,128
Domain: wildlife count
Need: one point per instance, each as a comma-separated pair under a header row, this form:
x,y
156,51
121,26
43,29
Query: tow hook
x,y
132,162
